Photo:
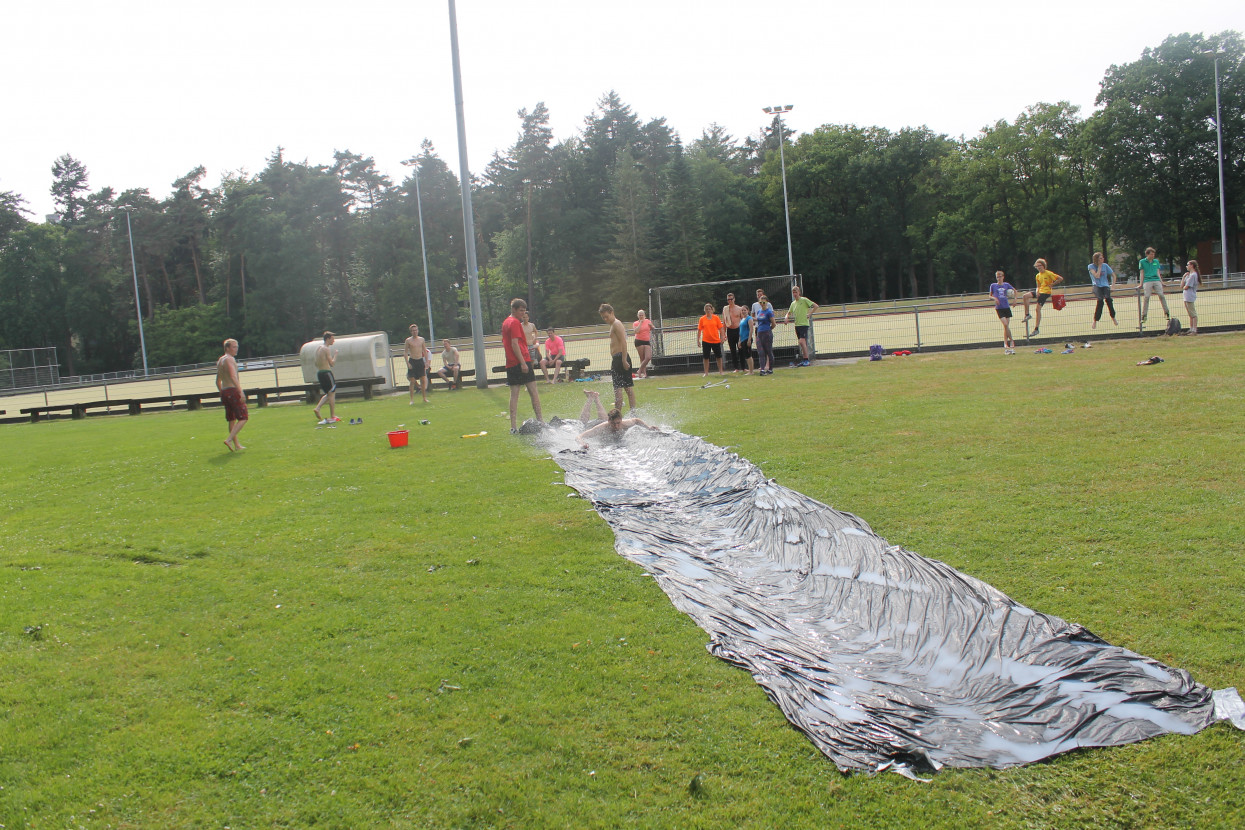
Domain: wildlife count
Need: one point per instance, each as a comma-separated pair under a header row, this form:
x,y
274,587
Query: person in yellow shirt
x,y
1046,280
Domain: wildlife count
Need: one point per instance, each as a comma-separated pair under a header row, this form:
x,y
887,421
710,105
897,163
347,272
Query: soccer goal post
x,y
675,309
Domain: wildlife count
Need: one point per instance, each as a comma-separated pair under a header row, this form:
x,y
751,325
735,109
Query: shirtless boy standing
x,y
326,356
231,396
620,361
731,315
416,368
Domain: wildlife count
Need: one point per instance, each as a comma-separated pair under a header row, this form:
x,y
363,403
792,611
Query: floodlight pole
x,y
413,163
782,162
138,303
1223,210
469,233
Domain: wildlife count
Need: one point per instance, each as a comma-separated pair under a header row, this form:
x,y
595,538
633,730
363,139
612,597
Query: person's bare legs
x,y
234,428
544,369
331,398
535,396
721,371
591,398
423,387
703,374
514,408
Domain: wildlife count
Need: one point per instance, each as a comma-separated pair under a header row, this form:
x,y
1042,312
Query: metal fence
x,y
22,368
971,322
929,324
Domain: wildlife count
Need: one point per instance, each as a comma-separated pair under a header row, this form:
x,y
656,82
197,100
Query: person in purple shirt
x,y
1002,291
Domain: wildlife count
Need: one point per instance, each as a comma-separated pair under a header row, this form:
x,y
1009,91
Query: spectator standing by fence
x,y
1103,278
709,338
1151,282
642,331
1002,292
1046,282
747,336
800,308
765,337
1192,279
732,314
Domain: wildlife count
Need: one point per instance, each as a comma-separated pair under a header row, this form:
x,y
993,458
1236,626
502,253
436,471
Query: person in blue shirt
x,y
747,325
765,337
1000,292
1102,277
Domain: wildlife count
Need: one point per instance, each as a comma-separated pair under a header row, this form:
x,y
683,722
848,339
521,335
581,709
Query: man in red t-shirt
x,y
709,336
519,368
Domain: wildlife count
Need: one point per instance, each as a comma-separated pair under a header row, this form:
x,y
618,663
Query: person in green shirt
x,y
800,308
1151,283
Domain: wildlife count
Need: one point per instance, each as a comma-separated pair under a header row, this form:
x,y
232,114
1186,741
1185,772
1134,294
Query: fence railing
x,y
928,324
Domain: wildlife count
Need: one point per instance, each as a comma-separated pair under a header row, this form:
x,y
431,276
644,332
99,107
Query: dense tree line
x,y
275,257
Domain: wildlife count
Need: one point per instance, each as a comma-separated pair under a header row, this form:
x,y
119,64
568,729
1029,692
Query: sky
x,y
143,91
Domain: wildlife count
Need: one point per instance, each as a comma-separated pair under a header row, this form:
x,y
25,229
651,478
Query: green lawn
x,y
325,632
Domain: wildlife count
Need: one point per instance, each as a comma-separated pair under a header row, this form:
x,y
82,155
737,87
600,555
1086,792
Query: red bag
x,y
1058,301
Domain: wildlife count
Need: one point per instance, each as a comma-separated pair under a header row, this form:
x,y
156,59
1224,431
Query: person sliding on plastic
x,y
613,427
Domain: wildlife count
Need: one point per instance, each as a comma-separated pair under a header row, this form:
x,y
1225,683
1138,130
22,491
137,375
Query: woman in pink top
x,y
642,330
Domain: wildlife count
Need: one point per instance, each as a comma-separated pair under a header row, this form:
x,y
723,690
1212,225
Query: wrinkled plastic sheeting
x,y
883,658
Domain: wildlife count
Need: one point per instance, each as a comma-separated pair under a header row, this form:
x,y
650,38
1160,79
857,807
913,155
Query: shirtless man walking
x,y
416,368
231,396
326,356
620,361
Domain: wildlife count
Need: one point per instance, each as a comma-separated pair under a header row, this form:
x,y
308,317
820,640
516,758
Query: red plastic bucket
x,y
399,438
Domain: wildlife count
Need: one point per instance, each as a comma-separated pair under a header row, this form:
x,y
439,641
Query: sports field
x,y
324,631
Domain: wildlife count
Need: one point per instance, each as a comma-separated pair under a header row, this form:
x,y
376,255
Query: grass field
x,y
324,632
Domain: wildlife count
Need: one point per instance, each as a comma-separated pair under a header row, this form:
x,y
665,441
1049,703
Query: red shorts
x,y
235,404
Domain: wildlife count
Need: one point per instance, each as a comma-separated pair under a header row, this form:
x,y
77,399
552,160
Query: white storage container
x,y
358,356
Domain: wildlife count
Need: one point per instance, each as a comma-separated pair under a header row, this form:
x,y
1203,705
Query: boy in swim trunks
x,y
416,367
620,361
231,396
326,356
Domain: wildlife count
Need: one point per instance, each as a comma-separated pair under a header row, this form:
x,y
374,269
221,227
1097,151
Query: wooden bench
x,y
574,368
314,393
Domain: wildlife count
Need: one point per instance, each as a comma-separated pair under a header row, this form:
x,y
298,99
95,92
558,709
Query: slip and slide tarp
x,y
883,658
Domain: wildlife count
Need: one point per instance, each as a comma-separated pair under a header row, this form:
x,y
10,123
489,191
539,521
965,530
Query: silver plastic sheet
x,y
883,658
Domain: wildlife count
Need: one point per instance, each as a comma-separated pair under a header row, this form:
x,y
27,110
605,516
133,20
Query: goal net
x,y
25,368
675,309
